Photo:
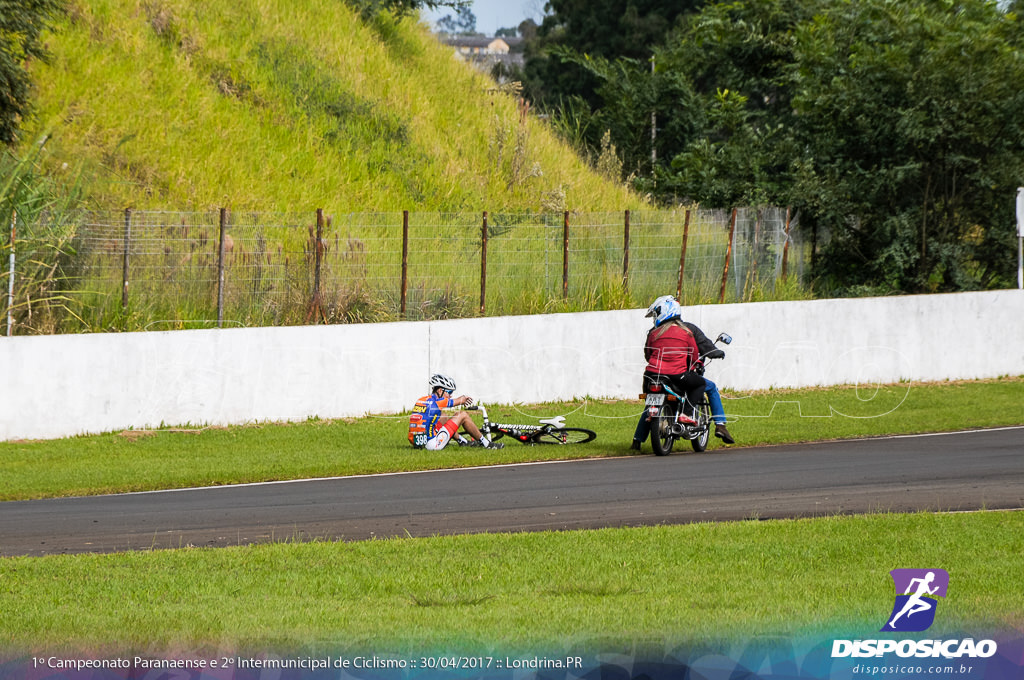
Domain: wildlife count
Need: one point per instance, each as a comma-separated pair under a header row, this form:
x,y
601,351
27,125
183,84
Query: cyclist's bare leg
x,y
464,421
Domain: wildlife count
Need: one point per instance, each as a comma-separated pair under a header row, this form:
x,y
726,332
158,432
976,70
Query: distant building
x,y
496,56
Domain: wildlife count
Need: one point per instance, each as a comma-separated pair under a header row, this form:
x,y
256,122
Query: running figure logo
x,y
915,605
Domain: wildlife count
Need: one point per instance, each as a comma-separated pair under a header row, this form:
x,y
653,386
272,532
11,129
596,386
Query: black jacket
x,y
704,344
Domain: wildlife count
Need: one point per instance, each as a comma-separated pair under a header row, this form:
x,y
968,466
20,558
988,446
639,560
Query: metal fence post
x,y
752,278
682,255
785,248
483,266
220,268
124,263
565,256
10,276
728,255
316,311
625,254
405,261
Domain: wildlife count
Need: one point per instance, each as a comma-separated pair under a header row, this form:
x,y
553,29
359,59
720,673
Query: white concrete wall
x,y
56,386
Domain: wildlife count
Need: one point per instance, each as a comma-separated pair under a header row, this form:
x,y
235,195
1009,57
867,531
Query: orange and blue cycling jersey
x,y
425,414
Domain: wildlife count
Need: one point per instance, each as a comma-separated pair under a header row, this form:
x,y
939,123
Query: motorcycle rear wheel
x,y
662,438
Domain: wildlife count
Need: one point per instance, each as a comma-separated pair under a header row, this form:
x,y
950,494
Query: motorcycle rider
x,y
428,426
707,348
667,310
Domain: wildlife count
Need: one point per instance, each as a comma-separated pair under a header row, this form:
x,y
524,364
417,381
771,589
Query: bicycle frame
x,y
523,433
549,431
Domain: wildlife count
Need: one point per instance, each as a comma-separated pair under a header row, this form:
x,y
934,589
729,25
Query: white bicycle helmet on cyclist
x,y
442,381
664,309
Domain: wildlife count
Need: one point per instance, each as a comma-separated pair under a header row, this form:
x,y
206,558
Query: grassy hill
x,y
290,104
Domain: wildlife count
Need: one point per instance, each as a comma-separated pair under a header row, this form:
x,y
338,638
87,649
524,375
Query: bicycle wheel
x,y
662,438
564,435
703,416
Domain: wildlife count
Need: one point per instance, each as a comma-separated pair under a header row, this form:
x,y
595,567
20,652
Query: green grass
x,y
646,589
631,590
277,108
196,456
282,105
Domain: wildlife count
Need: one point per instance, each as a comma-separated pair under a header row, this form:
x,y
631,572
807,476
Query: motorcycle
x,y
672,417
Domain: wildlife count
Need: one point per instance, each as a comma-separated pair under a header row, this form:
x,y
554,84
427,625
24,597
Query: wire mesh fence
x,y
136,270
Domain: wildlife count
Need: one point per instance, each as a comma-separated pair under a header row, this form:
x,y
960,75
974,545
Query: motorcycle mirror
x,y
724,338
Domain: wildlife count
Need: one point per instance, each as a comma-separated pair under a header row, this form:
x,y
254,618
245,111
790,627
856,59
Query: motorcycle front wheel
x,y
662,438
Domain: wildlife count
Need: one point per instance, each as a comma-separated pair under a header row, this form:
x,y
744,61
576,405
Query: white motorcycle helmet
x,y
664,309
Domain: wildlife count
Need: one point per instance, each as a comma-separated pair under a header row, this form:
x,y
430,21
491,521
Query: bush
x,y
37,211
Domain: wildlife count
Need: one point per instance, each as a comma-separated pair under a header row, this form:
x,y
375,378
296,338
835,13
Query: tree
x,y
400,8
892,127
601,29
527,29
21,24
462,23
630,91
913,145
736,58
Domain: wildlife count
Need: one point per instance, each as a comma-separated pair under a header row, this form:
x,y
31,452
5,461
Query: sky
x,y
494,14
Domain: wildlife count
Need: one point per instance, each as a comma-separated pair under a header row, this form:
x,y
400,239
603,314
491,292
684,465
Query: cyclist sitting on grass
x,y
429,428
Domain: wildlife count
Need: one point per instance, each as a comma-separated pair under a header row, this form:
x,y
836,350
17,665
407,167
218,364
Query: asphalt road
x,y
948,472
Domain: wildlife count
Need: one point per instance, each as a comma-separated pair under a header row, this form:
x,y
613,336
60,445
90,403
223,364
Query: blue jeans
x,y
643,428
